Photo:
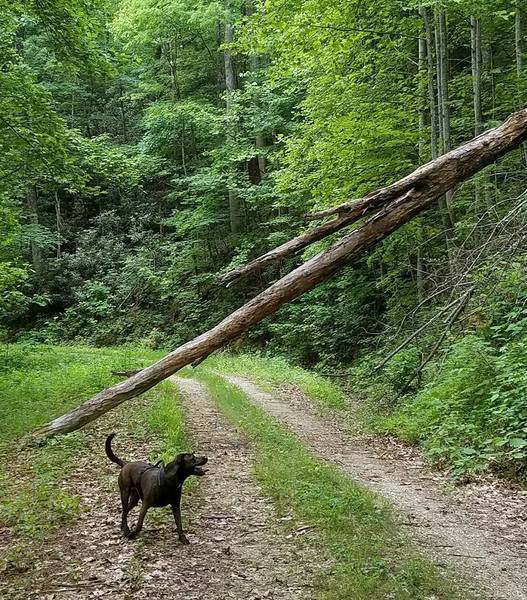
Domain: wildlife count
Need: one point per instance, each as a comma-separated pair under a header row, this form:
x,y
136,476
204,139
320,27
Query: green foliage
x,y
120,160
473,415
40,382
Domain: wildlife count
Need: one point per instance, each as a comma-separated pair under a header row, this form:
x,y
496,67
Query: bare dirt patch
x,y
239,549
485,542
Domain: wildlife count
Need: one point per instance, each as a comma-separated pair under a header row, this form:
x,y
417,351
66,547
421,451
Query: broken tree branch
x,y
351,212
462,303
415,334
466,161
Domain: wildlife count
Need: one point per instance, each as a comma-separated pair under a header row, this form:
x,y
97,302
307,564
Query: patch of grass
x,y
356,530
37,383
40,382
163,416
32,503
277,371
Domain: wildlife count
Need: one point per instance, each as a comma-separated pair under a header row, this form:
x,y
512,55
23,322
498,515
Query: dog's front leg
x,y
176,510
140,520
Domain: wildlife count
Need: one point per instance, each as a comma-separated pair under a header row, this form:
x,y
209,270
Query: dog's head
x,y
186,464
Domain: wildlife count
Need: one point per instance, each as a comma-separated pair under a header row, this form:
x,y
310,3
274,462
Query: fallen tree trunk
x,y
351,212
467,160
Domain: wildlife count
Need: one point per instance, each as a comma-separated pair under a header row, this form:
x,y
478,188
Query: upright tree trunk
x,y
36,250
518,46
422,88
254,61
123,116
434,179
441,43
475,45
475,30
235,208
58,219
431,89
518,41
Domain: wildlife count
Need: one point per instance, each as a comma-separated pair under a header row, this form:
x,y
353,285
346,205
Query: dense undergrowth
x,y
370,558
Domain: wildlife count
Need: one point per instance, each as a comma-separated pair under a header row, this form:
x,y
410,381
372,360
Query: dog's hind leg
x,y
176,510
126,500
133,500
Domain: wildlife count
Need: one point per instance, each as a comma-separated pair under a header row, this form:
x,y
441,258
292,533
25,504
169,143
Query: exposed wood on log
x,y
415,194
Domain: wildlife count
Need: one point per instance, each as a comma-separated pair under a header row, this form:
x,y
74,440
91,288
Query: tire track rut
x,y
445,530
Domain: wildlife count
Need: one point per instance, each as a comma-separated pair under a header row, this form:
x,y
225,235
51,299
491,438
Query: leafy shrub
x,y
474,415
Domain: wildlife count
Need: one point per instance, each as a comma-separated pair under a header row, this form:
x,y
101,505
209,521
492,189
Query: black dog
x,y
155,485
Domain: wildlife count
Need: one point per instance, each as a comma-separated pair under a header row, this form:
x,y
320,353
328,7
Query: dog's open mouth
x,y
197,470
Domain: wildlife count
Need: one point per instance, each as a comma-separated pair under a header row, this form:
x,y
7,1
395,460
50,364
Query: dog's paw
x,y
183,539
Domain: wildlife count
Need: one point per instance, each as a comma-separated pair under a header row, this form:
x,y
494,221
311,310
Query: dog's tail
x,y
109,451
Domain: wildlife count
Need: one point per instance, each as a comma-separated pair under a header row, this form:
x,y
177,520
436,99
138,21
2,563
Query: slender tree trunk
x,y
445,173
422,88
441,44
172,58
518,46
183,152
259,140
475,45
518,41
123,116
475,29
58,218
235,208
36,250
431,88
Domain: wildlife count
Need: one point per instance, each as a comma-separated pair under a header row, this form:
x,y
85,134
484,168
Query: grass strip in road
x,y
371,557
276,371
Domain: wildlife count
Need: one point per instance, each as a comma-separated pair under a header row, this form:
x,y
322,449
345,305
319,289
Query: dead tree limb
x,y
462,303
125,373
414,334
466,161
351,212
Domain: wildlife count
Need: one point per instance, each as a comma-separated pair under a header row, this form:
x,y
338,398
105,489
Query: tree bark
x,y
423,81
475,47
36,250
410,201
518,48
443,104
430,80
58,219
255,65
475,36
518,42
